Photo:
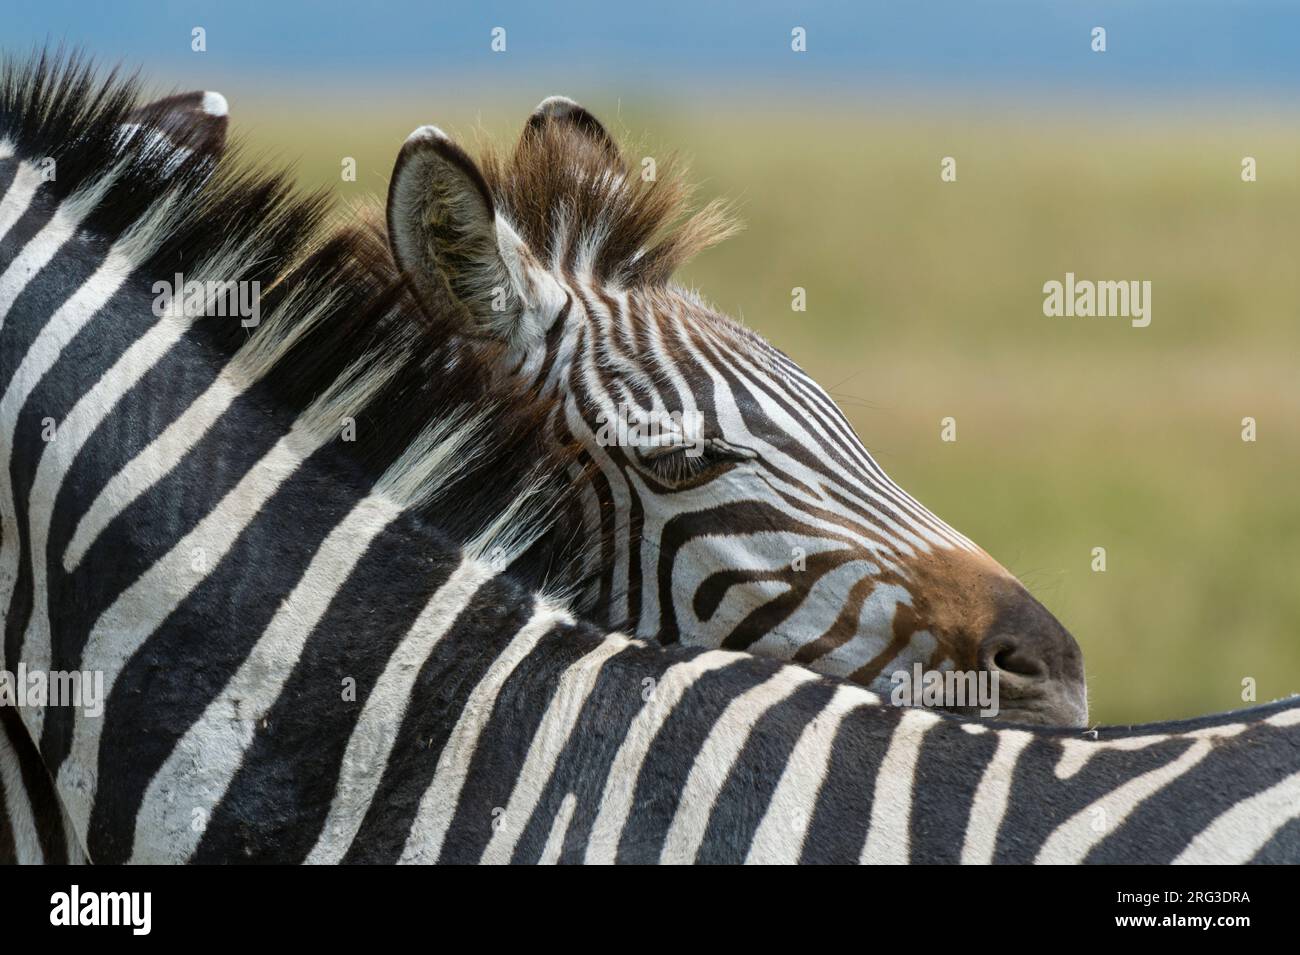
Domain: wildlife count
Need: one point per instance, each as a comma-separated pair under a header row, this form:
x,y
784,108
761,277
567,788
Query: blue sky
x,y
1163,47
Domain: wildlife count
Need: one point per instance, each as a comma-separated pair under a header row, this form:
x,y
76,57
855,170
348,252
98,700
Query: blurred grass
x,y
924,300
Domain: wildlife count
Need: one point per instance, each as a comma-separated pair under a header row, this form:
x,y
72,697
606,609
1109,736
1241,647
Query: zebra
x,y
749,516
323,571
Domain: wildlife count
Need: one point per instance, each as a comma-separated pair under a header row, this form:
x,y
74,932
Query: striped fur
x,y
34,829
343,651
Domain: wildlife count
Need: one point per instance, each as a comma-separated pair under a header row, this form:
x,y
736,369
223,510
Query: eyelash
x,y
679,466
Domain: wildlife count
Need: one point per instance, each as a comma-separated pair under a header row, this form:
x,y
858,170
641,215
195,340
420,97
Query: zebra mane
x,y
339,335
579,201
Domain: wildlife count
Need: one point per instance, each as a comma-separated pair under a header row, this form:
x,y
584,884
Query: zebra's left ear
x,y
183,124
451,245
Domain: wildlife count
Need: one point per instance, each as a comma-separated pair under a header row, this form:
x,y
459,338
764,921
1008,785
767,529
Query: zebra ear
x,y
183,124
448,240
566,114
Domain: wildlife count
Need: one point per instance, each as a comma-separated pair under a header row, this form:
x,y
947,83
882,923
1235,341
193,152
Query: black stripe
x,y
449,675
1039,801
32,309
39,790
838,829
81,362
277,803
949,768
8,846
1283,848
757,421
8,170
494,769
49,288
182,667
583,764
145,410
745,797
672,753
635,535
723,520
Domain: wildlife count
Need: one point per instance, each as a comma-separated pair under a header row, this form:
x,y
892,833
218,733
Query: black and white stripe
x,y
34,830
320,650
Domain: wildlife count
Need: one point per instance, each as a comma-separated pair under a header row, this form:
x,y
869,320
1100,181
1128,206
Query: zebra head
x,y
729,500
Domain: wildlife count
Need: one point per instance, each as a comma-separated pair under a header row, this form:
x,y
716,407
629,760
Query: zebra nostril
x,y
1012,655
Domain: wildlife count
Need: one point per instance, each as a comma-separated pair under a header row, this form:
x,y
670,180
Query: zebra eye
x,y
683,463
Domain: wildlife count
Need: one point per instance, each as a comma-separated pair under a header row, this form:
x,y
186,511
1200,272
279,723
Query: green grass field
x,y
925,301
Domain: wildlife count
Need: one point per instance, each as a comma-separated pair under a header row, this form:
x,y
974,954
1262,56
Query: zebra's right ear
x,y
560,112
449,242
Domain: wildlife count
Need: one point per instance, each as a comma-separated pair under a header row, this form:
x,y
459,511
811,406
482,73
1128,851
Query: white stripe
x,y
371,742
571,694
1286,718
559,829
17,807
17,198
71,839
620,504
57,456
1237,834
889,838
250,364
780,836
620,782
989,805
137,613
717,755
204,761
439,802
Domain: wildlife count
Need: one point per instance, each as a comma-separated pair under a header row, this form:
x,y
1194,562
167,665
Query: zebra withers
x,y
735,505
321,649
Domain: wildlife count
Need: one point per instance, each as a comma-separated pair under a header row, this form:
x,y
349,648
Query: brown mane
x,y
568,193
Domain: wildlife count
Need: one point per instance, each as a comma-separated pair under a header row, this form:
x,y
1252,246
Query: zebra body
x,y
555,748
321,650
